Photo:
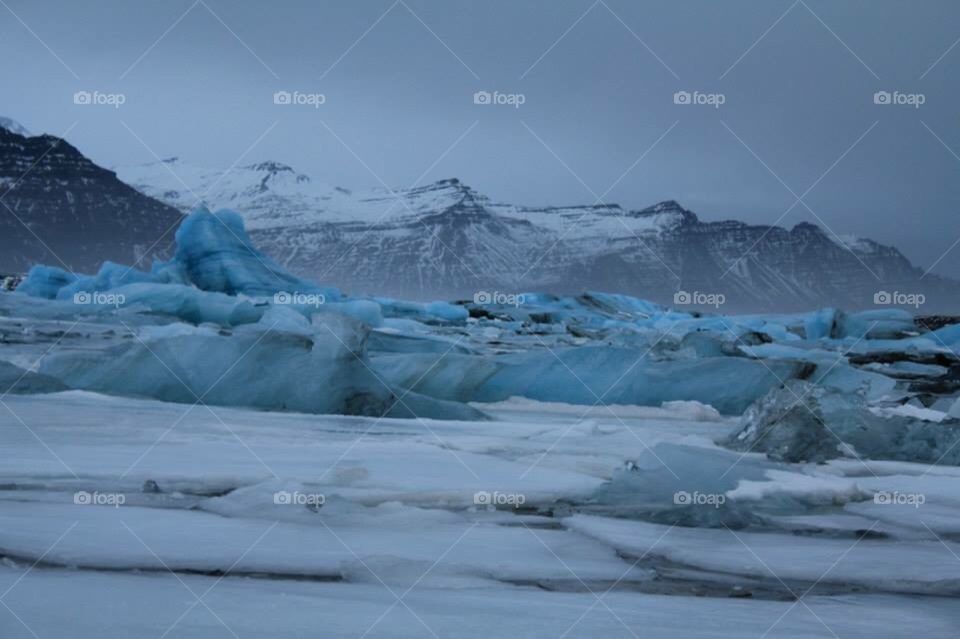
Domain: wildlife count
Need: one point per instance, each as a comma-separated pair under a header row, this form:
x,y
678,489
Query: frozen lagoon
x,y
183,533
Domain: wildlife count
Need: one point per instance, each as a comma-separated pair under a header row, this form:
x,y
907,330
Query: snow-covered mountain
x,y
59,208
14,127
445,240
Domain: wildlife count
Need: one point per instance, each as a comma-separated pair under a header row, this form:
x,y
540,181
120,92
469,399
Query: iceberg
x,y
602,374
282,362
214,253
804,422
45,281
14,379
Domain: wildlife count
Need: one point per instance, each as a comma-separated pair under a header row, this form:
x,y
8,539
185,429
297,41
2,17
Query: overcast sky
x,y
597,80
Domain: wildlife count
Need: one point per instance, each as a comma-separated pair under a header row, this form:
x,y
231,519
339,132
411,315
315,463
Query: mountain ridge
x,y
439,240
60,208
447,240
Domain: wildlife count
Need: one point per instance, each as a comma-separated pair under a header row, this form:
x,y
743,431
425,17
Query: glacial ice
x,y
246,332
214,253
282,362
803,422
14,379
45,281
603,374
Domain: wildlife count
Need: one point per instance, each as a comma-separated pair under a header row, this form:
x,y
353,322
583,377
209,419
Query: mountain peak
x,y
807,228
270,166
668,207
449,187
14,127
276,175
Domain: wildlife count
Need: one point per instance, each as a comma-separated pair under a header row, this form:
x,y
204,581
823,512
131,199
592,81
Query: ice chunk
x,y
787,425
14,379
215,253
683,410
45,281
813,489
820,324
906,369
850,380
188,304
805,422
793,353
110,276
664,482
366,311
275,364
445,375
955,409
908,410
432,312
586,374
889,323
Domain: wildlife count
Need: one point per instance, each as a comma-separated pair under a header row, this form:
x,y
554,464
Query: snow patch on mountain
x,y
14,127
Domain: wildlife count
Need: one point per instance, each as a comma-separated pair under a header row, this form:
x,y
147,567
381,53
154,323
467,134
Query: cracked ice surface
x,y
399,520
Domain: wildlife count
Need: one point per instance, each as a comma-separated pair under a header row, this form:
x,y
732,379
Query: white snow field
x,y
137,518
